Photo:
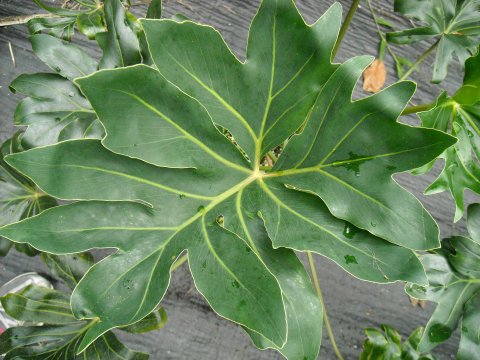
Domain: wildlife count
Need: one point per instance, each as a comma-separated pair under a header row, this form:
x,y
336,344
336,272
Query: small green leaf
x,y
453,24
460,115
155,9
69,268
65,59
92,23
62,28
385,22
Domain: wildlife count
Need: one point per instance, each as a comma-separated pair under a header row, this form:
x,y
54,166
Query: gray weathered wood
x,y
194,331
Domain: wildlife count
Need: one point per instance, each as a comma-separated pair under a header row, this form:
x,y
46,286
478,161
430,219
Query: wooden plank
x,y
194,331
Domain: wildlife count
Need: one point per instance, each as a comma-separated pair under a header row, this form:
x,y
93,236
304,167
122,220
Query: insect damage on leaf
x,y
164,175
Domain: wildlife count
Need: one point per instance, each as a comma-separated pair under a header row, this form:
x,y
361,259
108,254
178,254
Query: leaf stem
x,y
313,269
345,25
383,40
419,60
179,262
418,108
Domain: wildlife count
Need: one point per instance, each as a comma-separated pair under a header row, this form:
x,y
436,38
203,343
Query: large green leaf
x,y
19,197
454,283
455,25
460,115
166,179
55,109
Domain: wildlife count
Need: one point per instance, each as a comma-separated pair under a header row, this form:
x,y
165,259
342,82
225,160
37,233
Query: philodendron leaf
x,y
454,283
55,109
19,197
60,333
459,114
454,25
386,344
166,179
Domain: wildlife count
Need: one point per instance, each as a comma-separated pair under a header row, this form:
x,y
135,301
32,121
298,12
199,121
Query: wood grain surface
x,y
194,331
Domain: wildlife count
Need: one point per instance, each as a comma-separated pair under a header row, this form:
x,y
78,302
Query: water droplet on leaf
x,y
350,230
350,259
220,220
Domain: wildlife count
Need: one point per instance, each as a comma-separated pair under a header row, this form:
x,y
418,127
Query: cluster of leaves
x,y
386,344
454,283
165,179
60,332
158,147
19,197
55,109
453,25
459,115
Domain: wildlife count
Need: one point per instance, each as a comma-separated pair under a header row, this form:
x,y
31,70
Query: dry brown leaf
x,y
417,302
374,77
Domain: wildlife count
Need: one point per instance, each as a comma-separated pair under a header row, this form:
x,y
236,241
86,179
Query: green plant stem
x,y
345,25
179,262
419,60
418,108
383,40
313,269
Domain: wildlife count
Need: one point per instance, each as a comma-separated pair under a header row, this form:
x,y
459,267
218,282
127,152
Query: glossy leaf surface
x,y
454,283
460,115
165,179
454,25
